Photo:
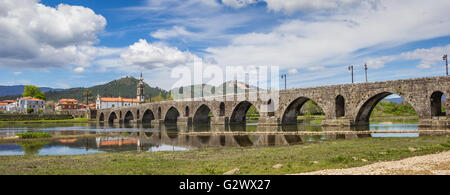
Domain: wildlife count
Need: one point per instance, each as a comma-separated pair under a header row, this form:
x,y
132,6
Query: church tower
x,y
140,90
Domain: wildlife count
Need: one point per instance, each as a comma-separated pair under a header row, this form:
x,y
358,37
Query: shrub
x,y
30,110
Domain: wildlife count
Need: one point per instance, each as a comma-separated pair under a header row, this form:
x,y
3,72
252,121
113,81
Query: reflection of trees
x,y
33,148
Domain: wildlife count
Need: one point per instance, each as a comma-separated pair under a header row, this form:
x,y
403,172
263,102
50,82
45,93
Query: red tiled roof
x,y
68,100
30,99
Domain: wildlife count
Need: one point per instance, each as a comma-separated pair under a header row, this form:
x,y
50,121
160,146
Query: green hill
x,y
124,87
229,89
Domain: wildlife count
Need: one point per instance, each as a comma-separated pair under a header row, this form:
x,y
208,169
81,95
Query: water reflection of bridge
x,y
178,135
141,137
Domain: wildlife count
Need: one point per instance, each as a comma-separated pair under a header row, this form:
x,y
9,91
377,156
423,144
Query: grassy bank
x,y
34,135
295,159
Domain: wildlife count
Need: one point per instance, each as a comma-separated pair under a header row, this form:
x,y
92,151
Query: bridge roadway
x,y
343,105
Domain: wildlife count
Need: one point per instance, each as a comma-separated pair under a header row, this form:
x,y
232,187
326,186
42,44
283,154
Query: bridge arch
x,y
101,117
148,116
202,115
436,104
365,110
222,109
340,106
159,113
239,112
112,116
138,114
171,115
186,111
128,117
293,110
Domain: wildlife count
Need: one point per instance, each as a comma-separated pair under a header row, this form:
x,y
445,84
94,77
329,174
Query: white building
x,y
22,104
12,107
140,90
111,102
3,106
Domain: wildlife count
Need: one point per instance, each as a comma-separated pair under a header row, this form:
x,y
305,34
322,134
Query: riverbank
x,y
431,164
16,139
75,120
333,154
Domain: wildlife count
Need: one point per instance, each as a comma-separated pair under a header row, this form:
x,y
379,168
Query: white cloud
x,y
79,69
238,3
293,71
37,36
176,31
290,6
323,41
379,62
17,73
427,57
155,55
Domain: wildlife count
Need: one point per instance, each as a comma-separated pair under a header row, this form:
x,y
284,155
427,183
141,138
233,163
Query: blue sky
x,y
81,43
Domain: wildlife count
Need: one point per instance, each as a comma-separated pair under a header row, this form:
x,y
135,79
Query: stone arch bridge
x,y
343,105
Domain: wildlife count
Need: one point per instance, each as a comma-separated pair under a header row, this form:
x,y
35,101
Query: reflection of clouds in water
x,y
394,127
9,153
395,135
64,150
166,148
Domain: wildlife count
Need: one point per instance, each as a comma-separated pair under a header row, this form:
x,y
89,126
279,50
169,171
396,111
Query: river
x,y
98,138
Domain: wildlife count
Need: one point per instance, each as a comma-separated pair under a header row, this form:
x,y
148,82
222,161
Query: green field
x,y
295,159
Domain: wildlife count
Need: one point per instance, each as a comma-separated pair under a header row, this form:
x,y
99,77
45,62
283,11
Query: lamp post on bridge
x,y
446,63
284,76
365,69
350,68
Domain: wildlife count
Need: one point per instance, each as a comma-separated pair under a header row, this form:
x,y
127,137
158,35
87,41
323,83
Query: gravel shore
x,y
432,164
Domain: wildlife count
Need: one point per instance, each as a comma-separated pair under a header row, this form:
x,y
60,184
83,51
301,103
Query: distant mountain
x,y
212,90
124,87
18,90
395,100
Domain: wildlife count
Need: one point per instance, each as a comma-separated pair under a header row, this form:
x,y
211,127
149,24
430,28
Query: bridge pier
x,y
269,121
219,120
184,121
339,122
133,121
436,122
157,122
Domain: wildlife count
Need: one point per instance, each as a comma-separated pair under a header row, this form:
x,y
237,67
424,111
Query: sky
x,y
82,43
